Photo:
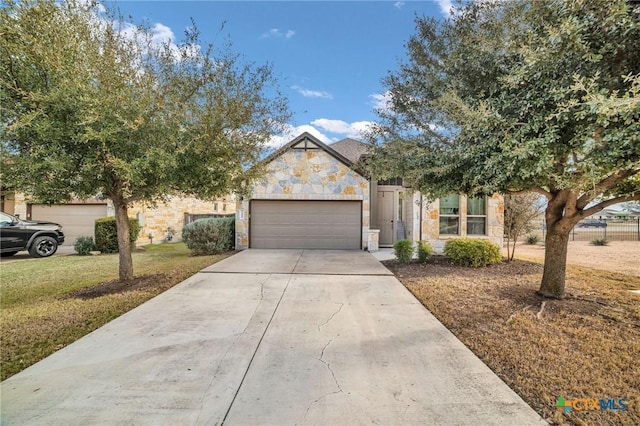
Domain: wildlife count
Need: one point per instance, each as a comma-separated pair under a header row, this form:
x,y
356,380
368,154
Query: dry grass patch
x,y
586,346
49,303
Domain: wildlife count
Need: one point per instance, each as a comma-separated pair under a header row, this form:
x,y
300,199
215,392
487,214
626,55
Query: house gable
x,y
307,142
305,169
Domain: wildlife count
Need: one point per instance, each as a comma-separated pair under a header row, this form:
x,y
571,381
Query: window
x,y
450,215
215,207
477,215
392,182
224,207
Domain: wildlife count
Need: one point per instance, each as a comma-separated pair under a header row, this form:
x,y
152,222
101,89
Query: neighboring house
x,y
312,196
78,217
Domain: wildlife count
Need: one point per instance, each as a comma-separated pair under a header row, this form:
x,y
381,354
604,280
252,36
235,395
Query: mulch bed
x,y
584,346
117,286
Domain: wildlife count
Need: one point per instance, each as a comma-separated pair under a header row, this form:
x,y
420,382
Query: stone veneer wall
x,y
155,219
171,215
305,175
495,222
15,203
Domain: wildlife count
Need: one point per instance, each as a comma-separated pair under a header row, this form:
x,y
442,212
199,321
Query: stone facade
x,y
158,221
494,222
305,175
14,203
168,218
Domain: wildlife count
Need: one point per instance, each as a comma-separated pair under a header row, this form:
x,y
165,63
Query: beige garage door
x,y
76,219
305,224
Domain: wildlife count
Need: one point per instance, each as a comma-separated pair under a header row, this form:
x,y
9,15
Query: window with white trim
x,y
450,215
477,215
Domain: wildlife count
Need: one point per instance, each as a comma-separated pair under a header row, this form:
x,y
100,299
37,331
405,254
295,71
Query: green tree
x,y
94,104
533,95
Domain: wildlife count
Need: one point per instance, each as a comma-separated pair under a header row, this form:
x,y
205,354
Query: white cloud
x,y
276,33
399,4
355,130
159,36
292,132
320,128
162,34
307,93
381,101
446,6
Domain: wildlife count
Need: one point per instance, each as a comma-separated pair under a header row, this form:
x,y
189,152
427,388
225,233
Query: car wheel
x,y
43,246
8,253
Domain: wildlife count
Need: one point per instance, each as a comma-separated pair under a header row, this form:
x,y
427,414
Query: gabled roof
x,y
351,149
308,141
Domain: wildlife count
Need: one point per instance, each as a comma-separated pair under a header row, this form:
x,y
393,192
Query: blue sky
x,y
329,56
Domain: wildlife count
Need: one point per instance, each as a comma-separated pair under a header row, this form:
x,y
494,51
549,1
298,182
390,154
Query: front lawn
x,y
48,303
586,346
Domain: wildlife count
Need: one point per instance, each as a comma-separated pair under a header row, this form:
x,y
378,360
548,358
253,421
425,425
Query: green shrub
x,y
531,239
107,234
210,236
84,244
600,242
403,249
424,251
472,252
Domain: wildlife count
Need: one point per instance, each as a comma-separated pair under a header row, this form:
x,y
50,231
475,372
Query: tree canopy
x,y
533,95
93,104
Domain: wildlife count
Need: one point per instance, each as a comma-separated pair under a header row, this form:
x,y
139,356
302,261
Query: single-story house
x,y
78,217
313,196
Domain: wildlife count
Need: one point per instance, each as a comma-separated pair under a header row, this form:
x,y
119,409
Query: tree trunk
x,y
124,241
555,251
555,265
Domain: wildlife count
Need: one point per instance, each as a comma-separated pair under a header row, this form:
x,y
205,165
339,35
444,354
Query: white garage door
x,y
76,219
305,224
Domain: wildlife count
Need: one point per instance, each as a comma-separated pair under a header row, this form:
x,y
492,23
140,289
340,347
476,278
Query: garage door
x,y
305,224
76,219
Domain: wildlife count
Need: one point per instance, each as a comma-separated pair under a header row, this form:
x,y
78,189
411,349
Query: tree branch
x,y
607,183
541,191
600,206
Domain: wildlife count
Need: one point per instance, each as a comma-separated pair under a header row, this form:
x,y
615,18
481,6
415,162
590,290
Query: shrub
x,y
210,236
84,245
424,251
600,242
531,239
403,249
107,234
472,252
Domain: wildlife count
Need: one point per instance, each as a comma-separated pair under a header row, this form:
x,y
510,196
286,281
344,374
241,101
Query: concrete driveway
x,y
269,337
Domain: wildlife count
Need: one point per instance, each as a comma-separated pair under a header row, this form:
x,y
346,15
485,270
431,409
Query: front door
x,y
385,217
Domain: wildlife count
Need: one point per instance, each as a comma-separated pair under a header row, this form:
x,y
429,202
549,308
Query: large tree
x,y
533,95
93,104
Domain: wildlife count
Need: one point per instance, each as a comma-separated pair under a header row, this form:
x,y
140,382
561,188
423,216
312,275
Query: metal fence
x,y
190,217
611,229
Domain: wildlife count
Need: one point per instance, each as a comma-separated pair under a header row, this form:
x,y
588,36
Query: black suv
x,y
40,238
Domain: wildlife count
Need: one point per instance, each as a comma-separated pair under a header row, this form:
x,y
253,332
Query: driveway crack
x,y
333,375
331,317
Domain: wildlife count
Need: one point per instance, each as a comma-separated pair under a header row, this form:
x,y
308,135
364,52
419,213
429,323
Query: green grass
x,y
38,317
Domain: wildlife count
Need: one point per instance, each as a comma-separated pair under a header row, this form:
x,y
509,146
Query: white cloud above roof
x,y
399,4
277,33
292,132
355,130
321,128
307,93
